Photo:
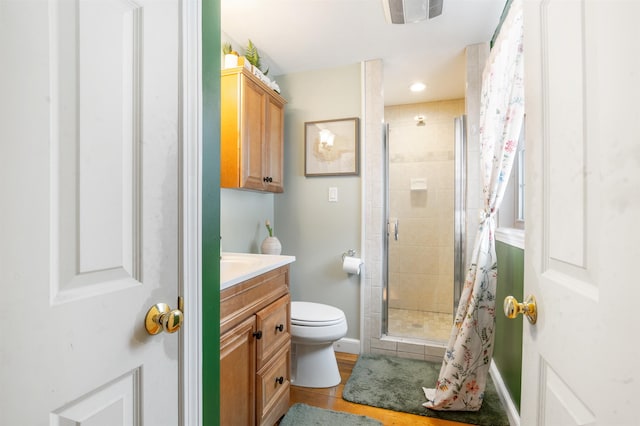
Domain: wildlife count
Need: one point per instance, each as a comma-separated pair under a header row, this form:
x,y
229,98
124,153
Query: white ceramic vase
x,y
271,245
230,60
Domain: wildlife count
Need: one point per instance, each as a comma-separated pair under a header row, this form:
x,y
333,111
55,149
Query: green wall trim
x,y
507,353
210,212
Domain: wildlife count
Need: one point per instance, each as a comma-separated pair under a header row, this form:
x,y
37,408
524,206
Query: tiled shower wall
x,y
421,260
372,282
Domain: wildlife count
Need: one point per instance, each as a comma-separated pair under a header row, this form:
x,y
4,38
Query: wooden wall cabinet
x,y
255,350
252,133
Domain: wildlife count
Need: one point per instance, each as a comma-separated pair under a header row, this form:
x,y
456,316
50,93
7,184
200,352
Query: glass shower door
x,y
425,245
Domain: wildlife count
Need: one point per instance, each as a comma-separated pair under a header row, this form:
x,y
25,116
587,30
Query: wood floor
x,y
331,398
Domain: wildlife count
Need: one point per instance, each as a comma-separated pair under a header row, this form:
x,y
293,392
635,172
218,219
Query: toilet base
x,y
314,366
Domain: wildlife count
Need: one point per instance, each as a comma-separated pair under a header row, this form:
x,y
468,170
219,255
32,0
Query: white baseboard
x,y
505,398
350,346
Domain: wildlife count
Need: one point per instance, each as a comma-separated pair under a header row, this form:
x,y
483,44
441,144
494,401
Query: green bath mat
x,y
306,415
396,384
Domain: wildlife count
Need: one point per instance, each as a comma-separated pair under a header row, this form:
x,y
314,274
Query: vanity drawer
x,y
273,321
273,383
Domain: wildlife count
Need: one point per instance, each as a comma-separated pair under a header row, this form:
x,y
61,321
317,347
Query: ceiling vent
x,y
410,11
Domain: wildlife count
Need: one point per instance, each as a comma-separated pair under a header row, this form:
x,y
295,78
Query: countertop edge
x,y
277,261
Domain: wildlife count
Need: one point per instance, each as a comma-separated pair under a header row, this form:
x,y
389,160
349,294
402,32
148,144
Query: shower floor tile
x,y
419,325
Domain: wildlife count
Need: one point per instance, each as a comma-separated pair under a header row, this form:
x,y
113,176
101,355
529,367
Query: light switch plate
x,y
333,194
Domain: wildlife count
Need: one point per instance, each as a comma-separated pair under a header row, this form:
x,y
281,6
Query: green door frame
x,y
210,212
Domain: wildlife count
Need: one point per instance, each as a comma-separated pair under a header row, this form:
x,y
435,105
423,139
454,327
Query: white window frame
x,y
511,219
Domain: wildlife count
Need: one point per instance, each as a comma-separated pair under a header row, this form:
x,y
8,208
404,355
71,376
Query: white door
x,y
580,361
89,210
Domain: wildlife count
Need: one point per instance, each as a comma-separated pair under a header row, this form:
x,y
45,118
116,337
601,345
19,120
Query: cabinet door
x,y
274,145
252,136
238,375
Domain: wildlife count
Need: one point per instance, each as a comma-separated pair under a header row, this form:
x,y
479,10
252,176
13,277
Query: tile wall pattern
x,y
372,339
421,260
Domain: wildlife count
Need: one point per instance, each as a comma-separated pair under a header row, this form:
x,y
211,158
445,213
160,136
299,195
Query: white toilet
x,y
314,328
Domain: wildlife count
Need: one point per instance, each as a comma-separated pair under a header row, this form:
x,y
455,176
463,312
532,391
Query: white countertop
x,y
238,267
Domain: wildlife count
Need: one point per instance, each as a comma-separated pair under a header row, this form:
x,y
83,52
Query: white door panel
x,y
96,163
583,165
90,210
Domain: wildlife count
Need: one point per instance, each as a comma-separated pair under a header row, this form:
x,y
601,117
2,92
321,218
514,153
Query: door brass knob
x,y
529,308
161,318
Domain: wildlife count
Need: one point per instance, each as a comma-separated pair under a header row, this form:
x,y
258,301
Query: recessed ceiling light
x,y
418,87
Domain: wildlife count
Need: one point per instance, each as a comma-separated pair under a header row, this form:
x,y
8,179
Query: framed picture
x,y
331,147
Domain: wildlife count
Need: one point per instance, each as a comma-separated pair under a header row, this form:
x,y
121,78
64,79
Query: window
x,y
519,184
511,216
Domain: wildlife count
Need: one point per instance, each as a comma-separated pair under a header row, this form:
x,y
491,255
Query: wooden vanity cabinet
x,y
252,133
255,350
237,377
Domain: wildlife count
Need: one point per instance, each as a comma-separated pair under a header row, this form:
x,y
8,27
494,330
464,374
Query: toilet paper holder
x,y
350,253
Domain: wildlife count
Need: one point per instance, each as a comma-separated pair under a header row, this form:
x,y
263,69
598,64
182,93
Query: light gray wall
x,y
242,216
316,231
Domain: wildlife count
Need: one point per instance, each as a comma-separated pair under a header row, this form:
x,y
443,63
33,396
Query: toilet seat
x,y
309,314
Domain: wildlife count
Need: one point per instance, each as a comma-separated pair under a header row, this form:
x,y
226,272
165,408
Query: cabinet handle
x,y
267,179
280,327
258,334
280,380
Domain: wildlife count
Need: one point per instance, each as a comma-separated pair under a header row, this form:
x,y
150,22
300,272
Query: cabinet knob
x,y
267,179
258,334
280,327
280,380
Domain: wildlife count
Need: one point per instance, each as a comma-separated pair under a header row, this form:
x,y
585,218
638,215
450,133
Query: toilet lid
x,y
315,314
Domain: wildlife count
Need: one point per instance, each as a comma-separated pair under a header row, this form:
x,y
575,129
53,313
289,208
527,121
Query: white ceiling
x,y
302,35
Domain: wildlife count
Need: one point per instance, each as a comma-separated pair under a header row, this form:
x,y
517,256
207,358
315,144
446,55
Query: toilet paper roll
x,y
351,265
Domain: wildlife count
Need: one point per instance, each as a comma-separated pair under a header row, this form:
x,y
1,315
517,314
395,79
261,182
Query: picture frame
x,y
331,147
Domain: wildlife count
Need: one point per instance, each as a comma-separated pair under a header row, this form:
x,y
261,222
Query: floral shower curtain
x,y
464,370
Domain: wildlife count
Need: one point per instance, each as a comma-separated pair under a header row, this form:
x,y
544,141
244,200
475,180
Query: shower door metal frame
x,y
385,232
459,208
460,197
